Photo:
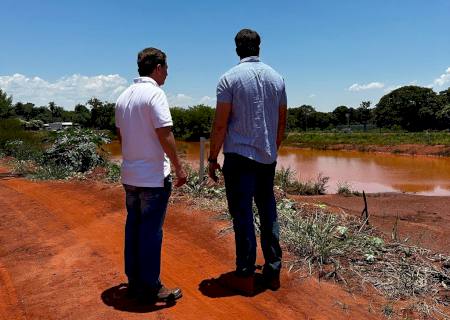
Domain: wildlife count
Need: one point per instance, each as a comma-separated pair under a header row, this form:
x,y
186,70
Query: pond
x,y
371,172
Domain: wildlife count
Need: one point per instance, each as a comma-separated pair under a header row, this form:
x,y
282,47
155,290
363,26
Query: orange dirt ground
x,y
61,257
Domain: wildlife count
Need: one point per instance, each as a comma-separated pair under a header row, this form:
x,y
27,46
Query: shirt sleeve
x,y
224,91
160,112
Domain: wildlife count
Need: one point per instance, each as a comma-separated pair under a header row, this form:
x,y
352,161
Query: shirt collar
x,y
146,80
250,59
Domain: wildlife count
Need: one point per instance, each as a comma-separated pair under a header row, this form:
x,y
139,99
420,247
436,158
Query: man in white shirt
x,y
144,124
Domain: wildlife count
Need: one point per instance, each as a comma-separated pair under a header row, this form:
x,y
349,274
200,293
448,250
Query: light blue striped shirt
x,y
255,92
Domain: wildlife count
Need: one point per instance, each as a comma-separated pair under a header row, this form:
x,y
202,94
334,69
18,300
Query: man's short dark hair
x,y
148,59
247,43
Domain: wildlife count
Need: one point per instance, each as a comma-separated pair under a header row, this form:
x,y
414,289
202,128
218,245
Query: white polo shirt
x,y
141,109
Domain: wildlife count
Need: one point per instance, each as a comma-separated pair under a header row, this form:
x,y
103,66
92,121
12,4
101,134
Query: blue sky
x,y
330,52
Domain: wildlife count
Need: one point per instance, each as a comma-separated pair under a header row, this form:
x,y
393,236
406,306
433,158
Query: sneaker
x,y
166,294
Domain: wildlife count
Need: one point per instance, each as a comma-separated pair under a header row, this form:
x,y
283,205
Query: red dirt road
x,y
61,247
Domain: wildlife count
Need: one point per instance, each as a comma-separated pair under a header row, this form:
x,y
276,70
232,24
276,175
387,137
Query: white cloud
x,y
207,101
180,100
361,87
443,79
312,95
66,91
392,88
184,100
72,90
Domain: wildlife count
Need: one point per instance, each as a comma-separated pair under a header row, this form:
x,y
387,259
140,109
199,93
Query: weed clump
x,y
70,153
285,179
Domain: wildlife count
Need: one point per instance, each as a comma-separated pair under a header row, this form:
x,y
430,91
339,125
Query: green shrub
x,y
76,150
52,171
21,150
198,188
12,130
113,170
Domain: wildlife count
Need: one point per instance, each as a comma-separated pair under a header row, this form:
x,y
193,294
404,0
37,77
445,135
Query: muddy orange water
x,y
371,172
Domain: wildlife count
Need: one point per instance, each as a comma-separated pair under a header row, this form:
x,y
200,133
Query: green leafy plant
x,y
76,150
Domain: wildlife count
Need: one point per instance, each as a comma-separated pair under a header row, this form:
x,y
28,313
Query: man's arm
x,y
282,115
167,140
218,132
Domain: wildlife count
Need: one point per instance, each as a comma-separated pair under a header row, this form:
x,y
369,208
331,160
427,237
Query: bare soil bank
x,y
423,220
411,149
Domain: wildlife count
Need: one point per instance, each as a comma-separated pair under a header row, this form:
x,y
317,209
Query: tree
x,y
364,113
180,122
24,110
102,114
342,114
301,118
444,96
6,107
82,115
192,123
411,107
56,112
199,121
443,116
42,113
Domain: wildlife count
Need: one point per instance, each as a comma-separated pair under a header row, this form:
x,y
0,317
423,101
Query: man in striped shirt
x,y
250,122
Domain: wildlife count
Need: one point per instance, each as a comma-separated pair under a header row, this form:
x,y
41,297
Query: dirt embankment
x,y
61,247
422,220
411,149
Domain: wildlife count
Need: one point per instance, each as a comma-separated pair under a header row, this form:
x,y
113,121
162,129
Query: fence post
x,y
202,159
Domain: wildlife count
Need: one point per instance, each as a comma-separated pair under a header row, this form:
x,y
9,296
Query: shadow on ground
x,y
117,298
220,287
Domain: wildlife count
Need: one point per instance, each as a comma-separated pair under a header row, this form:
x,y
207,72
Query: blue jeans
x,y
143,234
245,180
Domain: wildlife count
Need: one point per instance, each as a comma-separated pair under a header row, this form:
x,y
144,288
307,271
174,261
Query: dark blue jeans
x,y
143,234
247,180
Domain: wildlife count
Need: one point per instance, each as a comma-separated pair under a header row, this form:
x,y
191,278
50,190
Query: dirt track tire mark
x,y
10,306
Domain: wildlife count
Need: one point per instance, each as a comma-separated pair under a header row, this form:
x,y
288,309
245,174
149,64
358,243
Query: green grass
x,y
285,178
324,139
19,143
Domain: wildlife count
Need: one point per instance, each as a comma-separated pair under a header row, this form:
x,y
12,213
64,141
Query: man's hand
x,y
181,176
213,166
167,141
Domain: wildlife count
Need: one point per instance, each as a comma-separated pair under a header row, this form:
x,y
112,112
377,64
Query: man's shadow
x,y
117,298
222,286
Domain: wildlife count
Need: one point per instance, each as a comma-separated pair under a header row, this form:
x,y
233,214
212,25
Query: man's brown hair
x,y
247,43
148,59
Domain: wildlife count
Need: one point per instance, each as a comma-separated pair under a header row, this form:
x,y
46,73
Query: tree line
x,y
410,108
